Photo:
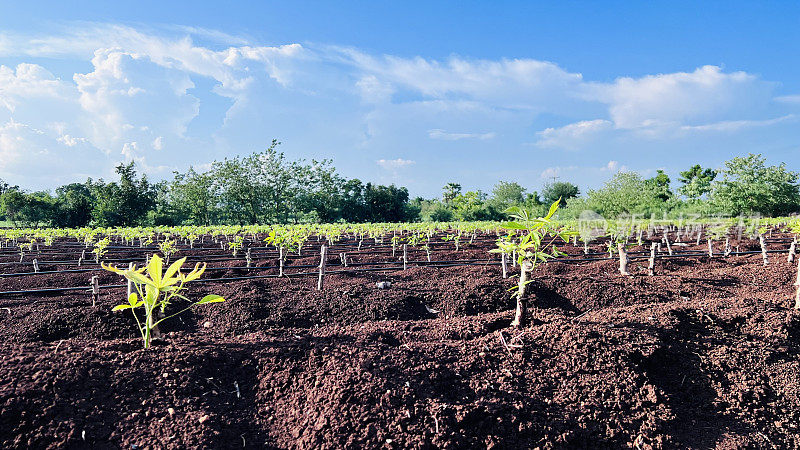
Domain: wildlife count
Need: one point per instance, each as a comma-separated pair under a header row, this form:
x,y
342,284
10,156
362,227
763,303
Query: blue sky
x,y
414,93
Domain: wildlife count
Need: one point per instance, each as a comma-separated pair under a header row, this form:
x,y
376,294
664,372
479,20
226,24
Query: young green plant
x,y
533,243
155,289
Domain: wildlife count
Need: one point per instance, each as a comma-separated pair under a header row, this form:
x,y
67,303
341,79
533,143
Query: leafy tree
x,y
166,211
73,205
353,207
660,184
559,190
260,188
195,196
450,191
626,192
125,203
436,211
386,203
28,210
470,206
696,182
749,186
506,194
323,191
241,195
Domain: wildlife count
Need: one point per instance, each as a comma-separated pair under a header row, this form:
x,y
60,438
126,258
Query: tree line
x,y
266,187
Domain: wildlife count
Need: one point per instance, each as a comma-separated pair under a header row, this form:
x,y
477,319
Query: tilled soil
x,y
702,355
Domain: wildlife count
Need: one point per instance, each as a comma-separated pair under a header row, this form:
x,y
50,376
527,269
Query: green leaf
x,y
121,307
211,298
553,209
154,269
138,278
174,268
513,226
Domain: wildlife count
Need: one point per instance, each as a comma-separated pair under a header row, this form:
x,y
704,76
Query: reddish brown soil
x,y
702,355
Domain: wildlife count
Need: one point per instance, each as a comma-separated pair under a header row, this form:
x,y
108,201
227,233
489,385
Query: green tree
x,y
436,211
696,182
353,207
505,194
626,192
27,209
126,203
323,191
387,203
470,206
74,205
559,190
660,184
263,187
450,191
195,196
749,186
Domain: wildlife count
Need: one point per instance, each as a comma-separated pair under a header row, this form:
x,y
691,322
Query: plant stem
x,y
519,316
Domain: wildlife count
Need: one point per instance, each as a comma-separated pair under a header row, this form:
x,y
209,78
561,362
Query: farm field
x,y
703,353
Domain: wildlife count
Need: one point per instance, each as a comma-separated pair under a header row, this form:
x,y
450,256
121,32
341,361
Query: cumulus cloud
x,y
692,98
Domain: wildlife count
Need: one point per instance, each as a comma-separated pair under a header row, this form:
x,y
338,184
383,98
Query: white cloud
x,y
394,164
373,90
573,136
445,136
158,143
30,156
70,141
736,125
707,94
29,82
525,84
613,166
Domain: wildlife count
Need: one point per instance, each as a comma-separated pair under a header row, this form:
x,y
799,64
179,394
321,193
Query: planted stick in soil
x,y
623,259
651,265
320,282
669,247
95,280
763,250
797,283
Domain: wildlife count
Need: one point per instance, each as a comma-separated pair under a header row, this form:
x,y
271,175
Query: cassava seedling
x,y
534,243
167,249
155,289
100,249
